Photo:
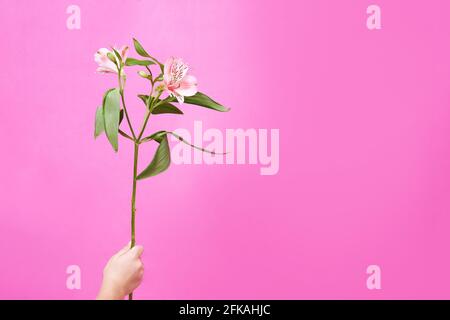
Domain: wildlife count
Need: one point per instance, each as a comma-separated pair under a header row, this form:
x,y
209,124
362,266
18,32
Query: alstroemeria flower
x,y
176,80
104,64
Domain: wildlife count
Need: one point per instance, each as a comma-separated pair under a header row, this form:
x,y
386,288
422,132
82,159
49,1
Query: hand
x,y
122,274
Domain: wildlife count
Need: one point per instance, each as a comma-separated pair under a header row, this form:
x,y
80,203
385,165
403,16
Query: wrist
x,y
110,292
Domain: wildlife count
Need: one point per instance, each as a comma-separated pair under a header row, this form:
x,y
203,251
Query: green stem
x,y
150,108
126,114
133,202
122,96
151,74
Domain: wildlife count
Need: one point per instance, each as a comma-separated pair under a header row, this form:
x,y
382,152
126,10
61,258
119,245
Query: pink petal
x,y
168,88
179,65
100,55
167,68
188,86
166,79
109,65
106,70
105,65
123,52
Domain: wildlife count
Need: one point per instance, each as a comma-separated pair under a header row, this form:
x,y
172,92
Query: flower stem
x,y
126,113
150,107
122,96
133,202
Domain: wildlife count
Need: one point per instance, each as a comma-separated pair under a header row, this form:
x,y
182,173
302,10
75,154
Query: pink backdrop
x,y
364,176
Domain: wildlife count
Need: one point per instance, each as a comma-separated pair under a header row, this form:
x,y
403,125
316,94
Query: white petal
x,y
180,98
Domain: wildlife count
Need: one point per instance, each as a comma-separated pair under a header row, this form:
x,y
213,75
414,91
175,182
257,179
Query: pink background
x,y
364,176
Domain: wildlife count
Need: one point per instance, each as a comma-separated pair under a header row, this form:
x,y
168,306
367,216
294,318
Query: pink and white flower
x,y
104,64
176,80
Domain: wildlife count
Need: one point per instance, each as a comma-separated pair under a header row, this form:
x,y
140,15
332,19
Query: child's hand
x,y
122,274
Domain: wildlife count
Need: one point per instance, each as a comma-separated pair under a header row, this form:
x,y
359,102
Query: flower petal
x,y
109,65
104,64
106,70
180,98
167,68
124,53
179,69
101,55
188,86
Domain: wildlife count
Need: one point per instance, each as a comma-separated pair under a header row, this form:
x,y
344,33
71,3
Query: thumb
x,y
137,251
124,249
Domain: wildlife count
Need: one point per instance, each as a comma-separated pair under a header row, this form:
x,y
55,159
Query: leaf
x,y
119,57
144,98
120,116
136,62
203,100
157,136
166,108
111,116
139,49
99,123
161,159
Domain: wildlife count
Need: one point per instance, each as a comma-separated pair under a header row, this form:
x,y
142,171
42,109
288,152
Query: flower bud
x,y
160,87
111,57
144,75
158,90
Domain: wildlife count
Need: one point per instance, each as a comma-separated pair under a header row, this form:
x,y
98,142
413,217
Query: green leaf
x,y
161,159
139,49
143,97
157,136
137,62
203,100
166,108
99,123
111,116
120,116
119,57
